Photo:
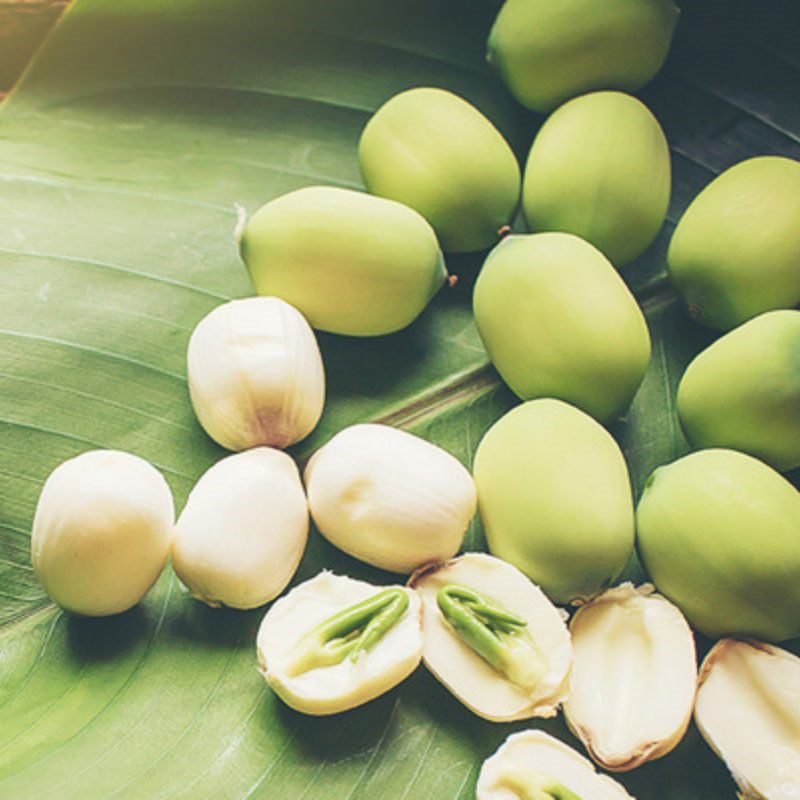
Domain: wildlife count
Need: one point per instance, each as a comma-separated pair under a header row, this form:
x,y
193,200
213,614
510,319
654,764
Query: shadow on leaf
x,y
218,628
108,638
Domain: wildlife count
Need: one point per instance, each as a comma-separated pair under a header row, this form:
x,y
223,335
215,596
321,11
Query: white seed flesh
x,y
466,674
102,532
538,752
633,677
748,710
255,374
331,689
241,535
390,498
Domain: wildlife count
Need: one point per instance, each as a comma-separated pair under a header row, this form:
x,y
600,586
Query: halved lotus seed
x,y
493,638
255,374
389,498
334,643
102,532
241,535
633,677
535,766
748,710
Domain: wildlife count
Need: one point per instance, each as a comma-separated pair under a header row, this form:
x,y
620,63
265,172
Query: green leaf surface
x,y
23,26
123,155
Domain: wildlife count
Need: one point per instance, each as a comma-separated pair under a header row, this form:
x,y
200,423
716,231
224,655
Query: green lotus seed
x,y
349,262
437,153
547,51
555,499
743,391
719,534
736,251
558,321
599,168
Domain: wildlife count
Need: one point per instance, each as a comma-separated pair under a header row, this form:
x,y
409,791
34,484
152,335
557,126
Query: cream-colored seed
x,y
335,687
533,756
390,498
255,374
466,674
102,532
243,530
633,677
748,710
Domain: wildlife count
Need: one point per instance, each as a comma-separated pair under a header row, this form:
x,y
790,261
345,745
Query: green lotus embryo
x,y
498,636
350,632
530,785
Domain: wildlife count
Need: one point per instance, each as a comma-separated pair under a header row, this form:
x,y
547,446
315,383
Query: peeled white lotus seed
x,y
389,498
256,374
102,532
334,643
241,535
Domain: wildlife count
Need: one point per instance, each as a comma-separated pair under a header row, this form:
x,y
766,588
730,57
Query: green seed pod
x,y
743,391
599,168
435,152
547,51
719,533
736,251
558,321
555,498
349,262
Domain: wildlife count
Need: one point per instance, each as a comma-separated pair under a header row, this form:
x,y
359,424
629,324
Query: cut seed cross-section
x,y
334,643
493,638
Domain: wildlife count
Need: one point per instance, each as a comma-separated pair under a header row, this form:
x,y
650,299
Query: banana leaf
x,y
23,25
125,151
